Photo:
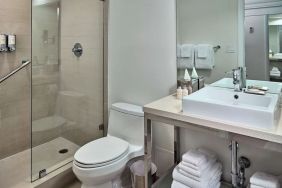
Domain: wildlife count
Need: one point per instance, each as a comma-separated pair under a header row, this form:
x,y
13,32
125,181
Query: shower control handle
x,y
77,50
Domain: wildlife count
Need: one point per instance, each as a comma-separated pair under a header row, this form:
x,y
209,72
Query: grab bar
x,y
24,64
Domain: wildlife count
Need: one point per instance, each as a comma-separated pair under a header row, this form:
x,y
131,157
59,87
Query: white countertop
x,y
170,107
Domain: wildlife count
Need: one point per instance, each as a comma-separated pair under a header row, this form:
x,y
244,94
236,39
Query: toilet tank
x,y
126,121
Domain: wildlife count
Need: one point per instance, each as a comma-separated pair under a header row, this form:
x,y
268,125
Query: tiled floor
x,y
75,185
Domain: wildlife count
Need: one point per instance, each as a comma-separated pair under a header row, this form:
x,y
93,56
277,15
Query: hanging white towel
x,y
187,50
205,56
264,180
178,50
203,50
186,58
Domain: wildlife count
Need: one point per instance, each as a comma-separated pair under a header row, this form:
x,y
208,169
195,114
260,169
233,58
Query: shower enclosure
x,y
67,80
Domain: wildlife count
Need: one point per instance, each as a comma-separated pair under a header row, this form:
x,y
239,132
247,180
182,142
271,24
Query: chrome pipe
x,y
234,166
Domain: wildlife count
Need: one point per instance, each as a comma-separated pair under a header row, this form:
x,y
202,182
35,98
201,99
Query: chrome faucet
x,y
239,78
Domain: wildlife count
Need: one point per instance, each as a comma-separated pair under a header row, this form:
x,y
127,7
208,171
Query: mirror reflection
x,y
275,46
232,44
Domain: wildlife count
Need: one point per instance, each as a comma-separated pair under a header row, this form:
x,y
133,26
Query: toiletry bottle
x,y
3,43
187,77
179,93
190,89
194,74
11,42
185,91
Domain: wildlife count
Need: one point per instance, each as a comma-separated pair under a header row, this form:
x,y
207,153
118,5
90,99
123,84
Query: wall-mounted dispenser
x,y
3,43
11,42
7,43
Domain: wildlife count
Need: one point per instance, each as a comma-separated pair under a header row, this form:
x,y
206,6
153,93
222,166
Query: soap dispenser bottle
x,y
11,42
3,43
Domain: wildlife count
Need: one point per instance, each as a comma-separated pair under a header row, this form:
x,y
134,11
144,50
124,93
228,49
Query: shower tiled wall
x,y
15,92
45,75
81,96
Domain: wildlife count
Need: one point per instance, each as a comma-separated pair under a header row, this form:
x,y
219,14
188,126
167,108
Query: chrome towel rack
x,y
24,64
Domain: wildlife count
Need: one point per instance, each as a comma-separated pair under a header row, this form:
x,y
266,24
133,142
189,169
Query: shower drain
x,y
63,151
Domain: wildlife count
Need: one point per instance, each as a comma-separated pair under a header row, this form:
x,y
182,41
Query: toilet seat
x,y
101,152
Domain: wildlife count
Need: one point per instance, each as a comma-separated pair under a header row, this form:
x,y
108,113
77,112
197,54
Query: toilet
x,y
99,164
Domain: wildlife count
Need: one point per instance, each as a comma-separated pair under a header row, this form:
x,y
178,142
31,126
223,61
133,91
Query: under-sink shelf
x,y
166,180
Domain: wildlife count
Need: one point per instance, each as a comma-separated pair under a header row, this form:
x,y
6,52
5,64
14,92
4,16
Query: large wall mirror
x,y
215,37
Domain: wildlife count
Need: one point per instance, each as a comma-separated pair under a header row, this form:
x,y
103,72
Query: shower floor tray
x,y
52,155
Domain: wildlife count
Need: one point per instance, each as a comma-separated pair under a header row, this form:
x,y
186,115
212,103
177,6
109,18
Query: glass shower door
x,y
67,80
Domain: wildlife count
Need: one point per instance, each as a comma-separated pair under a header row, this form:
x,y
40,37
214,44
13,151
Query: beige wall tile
x,y
15,93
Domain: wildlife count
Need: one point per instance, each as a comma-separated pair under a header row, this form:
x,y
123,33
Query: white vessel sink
x,y
221,104
273,87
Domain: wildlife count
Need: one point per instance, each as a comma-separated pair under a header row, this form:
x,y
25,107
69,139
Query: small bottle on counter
x,y
190,89
185,91
179,93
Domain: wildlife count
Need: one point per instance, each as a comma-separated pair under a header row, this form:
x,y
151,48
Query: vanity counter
x,y
169,110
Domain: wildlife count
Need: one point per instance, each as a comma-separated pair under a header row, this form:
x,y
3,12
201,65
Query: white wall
x,y
257,60
142,57
216,24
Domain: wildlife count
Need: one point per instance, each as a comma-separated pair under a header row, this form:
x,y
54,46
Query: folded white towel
x,y
214,172
265,180
200,172
208,183
187,50
198,157
277,74
176,184
205,57
255,186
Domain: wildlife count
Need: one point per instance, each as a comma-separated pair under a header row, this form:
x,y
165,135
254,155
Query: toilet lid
x,y
101,150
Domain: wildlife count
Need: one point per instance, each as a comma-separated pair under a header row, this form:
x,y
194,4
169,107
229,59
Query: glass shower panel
x,y
67,80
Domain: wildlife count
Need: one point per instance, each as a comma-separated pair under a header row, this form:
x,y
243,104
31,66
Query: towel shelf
x,y
24,64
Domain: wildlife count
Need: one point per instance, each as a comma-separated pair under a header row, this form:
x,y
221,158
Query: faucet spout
x,y
239,78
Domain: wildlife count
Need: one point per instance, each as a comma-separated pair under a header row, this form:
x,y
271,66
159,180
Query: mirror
x,y
218,37
275,46
209,32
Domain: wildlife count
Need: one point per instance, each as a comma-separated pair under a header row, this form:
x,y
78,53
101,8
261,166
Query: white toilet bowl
x,y
100,163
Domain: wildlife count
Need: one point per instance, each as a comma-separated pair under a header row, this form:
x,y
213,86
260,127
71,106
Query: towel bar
x,y
24,64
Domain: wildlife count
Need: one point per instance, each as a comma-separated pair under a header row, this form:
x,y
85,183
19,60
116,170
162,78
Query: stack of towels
x,y
263,180
275,72
199,168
